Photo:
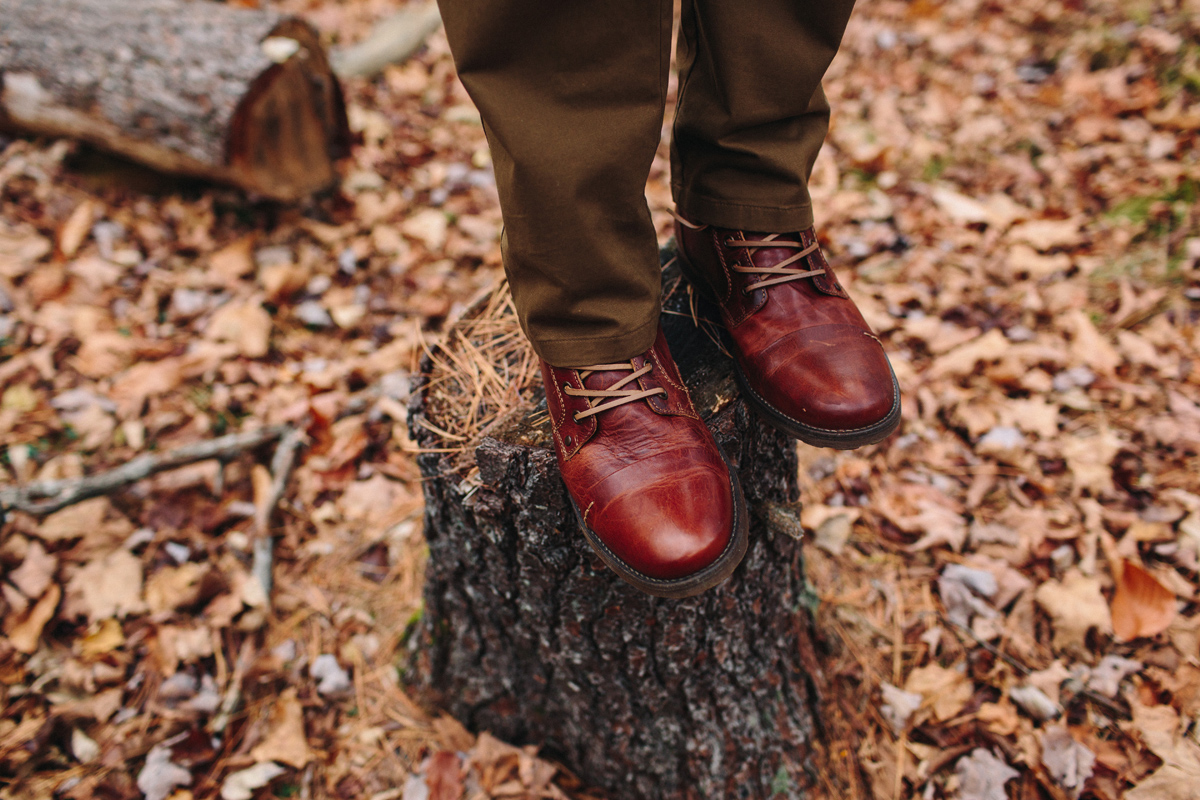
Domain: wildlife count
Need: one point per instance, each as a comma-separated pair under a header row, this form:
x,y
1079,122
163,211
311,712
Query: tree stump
x,y
528,635
190,87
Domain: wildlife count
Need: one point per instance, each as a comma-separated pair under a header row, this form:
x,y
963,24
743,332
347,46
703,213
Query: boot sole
x,y
824,437
817,437
697,582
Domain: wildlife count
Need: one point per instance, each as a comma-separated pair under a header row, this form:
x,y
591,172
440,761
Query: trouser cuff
x,y
607,349
741,216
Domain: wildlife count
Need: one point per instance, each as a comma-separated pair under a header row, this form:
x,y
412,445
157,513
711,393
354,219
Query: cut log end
x,y
527,634
291,126
202,89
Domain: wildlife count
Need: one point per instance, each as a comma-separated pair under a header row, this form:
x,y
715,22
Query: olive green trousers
x,y
572,95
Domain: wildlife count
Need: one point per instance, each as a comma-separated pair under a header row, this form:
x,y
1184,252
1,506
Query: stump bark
x,y
190,87
526,634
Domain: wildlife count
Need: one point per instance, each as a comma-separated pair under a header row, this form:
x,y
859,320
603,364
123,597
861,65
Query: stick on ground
x,y
264,543
69,491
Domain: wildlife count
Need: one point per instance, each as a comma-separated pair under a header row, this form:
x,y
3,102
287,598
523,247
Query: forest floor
x,y
1009,584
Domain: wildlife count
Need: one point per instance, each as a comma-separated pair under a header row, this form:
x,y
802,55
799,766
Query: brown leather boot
x,y
806,358
657,499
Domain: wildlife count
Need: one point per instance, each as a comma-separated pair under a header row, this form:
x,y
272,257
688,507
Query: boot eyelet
x,y
576,418
570,440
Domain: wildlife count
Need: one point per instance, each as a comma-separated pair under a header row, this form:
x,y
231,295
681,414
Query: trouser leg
x,y
751,115
572,94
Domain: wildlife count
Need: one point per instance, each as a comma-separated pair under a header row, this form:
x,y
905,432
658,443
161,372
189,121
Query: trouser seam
x,y
630,332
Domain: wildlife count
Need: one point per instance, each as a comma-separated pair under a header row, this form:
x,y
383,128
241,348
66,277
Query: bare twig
x,y
233,692
264,544
69,491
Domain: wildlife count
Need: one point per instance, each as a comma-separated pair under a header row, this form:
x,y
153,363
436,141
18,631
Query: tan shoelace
x,y
783,271
617,394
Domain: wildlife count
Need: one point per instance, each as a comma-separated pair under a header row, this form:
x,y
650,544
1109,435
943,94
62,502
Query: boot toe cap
x,y
672,528
841,383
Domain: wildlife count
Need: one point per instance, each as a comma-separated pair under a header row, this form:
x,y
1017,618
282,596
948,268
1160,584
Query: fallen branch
x,y
68,491
392,41
233,692
264,543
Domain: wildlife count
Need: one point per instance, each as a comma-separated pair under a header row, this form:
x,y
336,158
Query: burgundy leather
x,y
647,477
802,346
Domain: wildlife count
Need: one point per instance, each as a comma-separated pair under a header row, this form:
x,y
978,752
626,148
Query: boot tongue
x,y
605,380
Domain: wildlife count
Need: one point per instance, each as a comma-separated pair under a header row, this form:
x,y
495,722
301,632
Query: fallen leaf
x,y
1075,606
1176,779
20,248
444,776
175,587
1089,346
1046,234
132,388
246,325
109,586
939,525
1023,259
1069,762
1160,729
280,281
452,734
959,586
1034,702
160,776
960,208
178,644
100,706
982,775
286,741
428,226
95,272
1000,718
832,524
83,747
1050,679
25,632
1106,676
1035,415
944,690
73,232
20,398
106,637
233,260
960,361
898,706
1089,460
331,678
36,571
1141,606
241,785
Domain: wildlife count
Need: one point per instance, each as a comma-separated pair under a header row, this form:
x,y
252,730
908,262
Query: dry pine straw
x,y
482,371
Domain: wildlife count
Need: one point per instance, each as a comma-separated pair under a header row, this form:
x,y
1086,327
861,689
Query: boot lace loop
x,y
616,395
783,272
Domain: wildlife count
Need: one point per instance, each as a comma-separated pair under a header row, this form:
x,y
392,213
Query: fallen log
x,y
528,635
190,87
